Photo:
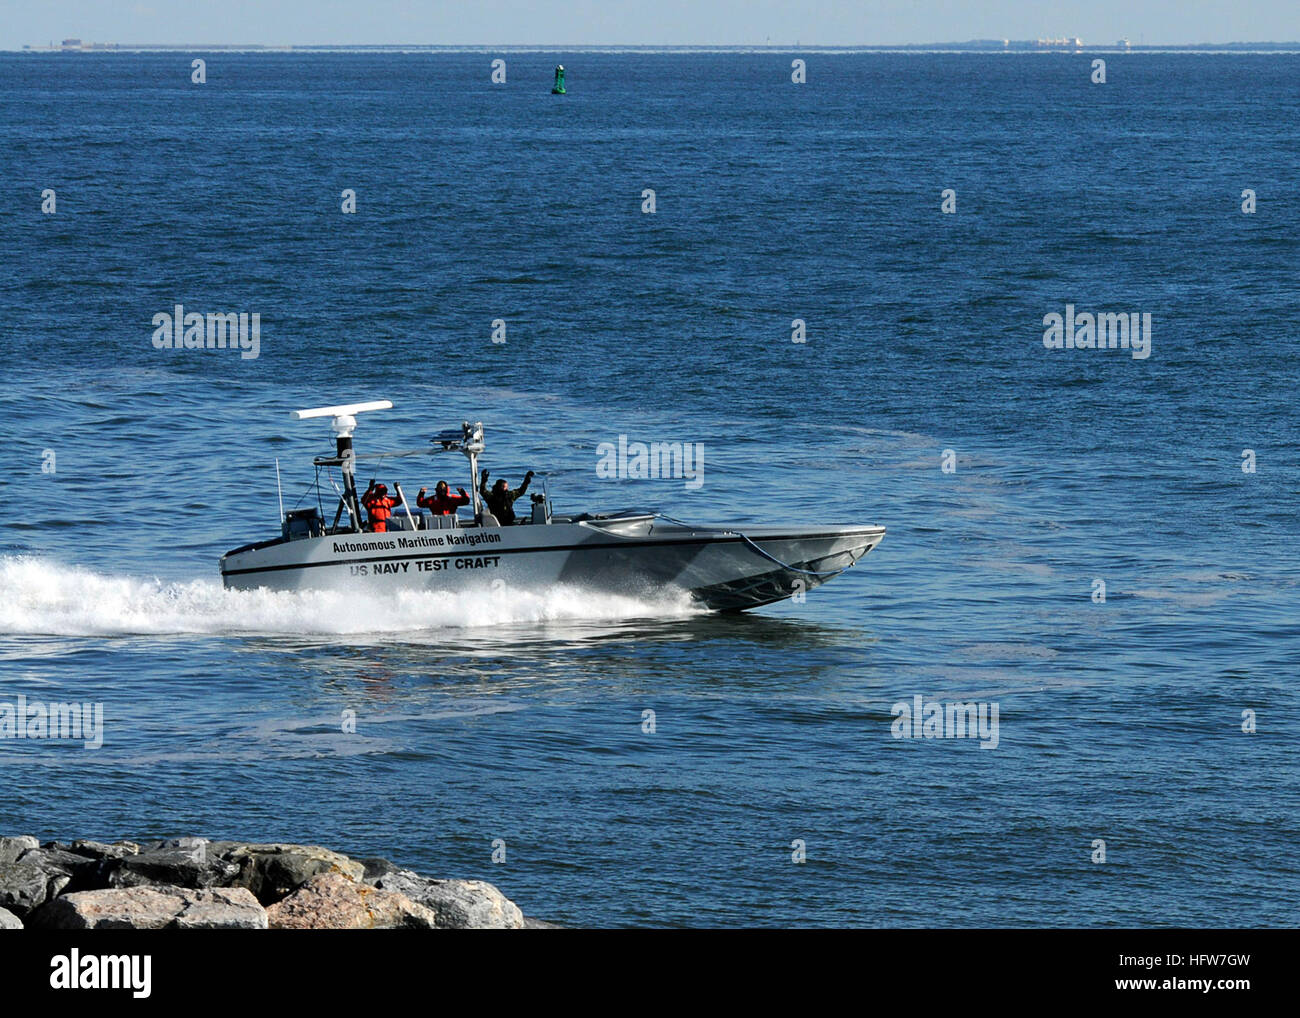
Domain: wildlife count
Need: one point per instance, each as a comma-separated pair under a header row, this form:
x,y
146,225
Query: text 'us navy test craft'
x,y
396,546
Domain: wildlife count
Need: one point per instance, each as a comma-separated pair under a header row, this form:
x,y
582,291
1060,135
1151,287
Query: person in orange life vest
x,y
379,506
500,499
443,503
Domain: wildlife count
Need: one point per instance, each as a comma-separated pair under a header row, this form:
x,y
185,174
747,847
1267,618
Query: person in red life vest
x,y
379,506
442,502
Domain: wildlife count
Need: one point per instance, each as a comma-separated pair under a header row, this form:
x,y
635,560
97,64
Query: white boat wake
x,y
41,597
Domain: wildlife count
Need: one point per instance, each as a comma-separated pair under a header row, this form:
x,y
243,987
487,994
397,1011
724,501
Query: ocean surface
x,y
517,717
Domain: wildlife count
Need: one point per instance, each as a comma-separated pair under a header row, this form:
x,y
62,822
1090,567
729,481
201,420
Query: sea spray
x,y
39,596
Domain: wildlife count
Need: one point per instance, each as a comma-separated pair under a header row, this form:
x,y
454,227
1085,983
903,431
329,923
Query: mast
x,y
343,425
472,446
468,440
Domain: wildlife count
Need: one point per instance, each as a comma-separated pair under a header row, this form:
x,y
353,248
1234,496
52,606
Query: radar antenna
x,y
343,425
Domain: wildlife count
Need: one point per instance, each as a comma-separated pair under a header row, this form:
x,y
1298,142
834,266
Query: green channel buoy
x,y
559,80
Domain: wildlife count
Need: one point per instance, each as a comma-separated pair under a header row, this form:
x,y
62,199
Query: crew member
x,y
442,502
379,506
501,500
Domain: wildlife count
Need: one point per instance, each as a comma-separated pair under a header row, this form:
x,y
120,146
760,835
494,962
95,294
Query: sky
x,y
642,22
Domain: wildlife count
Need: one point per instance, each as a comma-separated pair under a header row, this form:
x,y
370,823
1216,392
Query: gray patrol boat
x,y
632,552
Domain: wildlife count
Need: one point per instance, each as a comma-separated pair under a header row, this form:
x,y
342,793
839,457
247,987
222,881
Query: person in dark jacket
x,y
379,506
500,499
442,503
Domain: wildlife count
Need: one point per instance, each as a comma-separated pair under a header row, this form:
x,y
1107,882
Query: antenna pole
x,y
471,445
477,499
343,447
405,504
279,493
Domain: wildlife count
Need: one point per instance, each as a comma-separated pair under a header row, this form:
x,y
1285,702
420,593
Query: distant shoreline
x,y
975,46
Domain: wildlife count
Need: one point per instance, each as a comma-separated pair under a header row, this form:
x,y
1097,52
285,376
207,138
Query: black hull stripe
x,y
479,550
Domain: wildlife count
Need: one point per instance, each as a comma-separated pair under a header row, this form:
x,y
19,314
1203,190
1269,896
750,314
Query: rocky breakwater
x,y
194,883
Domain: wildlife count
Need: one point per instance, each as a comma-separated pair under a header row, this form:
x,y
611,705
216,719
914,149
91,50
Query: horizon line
x,y
75,45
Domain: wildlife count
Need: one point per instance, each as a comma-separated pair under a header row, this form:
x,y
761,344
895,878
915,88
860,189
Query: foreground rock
x,y
182,862
331,901
39,874
12,849
98,849
183,883
272,871
9,921
22,887
152,908
458,904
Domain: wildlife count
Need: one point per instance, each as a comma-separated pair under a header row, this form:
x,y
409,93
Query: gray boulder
x,y
183,862
41,874
273,871
9,921
152,908
100,849
376,868
458,904
57,859
11,849
23,886
179,843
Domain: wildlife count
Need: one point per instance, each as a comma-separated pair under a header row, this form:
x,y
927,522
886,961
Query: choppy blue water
x,y
520,717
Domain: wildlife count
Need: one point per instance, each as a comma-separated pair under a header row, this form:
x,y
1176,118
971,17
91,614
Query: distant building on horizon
x,y
78,44
1066,42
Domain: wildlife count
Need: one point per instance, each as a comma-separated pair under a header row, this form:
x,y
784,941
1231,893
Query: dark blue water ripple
x,y
520,719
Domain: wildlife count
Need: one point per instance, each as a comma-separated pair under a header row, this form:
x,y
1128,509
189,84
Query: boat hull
x,y
637,556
